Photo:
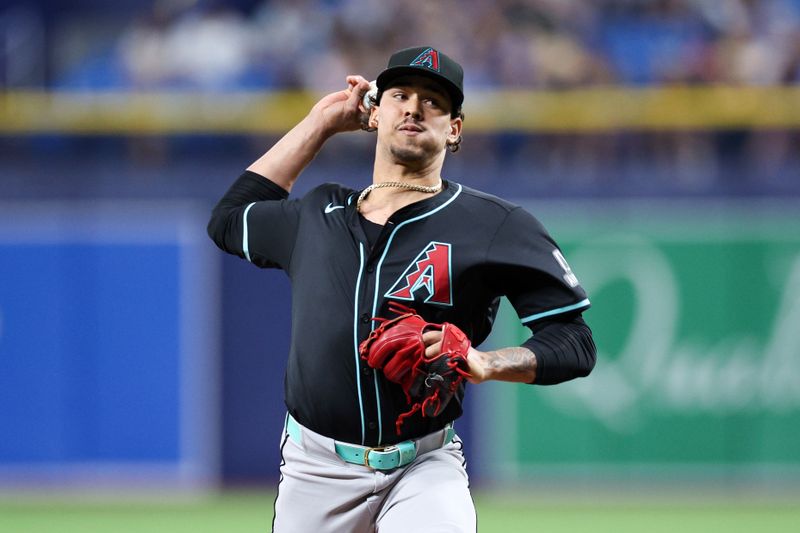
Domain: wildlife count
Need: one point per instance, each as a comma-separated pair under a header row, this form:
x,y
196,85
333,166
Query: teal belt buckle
x,y
387,458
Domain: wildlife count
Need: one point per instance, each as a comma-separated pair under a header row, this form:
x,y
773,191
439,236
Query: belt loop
x,y
293,430
449,433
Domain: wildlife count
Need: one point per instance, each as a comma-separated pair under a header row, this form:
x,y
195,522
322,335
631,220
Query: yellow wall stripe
x,y
579,110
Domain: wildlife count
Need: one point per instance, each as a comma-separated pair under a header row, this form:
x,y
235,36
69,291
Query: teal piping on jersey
x,y
378,402
583,303
355,338
245,243
378,273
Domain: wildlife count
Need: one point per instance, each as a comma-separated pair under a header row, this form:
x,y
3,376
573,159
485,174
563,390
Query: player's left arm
x,y
515,363
525,264
559,350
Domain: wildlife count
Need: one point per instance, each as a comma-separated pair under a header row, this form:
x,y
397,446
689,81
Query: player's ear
x,y
455,129
373,116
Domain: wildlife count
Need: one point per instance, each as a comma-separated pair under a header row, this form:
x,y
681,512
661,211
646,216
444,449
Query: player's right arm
x,y
335,113
254,219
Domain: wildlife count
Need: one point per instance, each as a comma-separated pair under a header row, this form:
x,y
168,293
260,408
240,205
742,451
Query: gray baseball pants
x,y
320,492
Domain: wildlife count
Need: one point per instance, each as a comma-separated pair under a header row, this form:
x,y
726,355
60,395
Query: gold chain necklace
x,y
400,185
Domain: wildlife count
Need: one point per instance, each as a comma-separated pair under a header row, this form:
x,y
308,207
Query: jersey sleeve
x,y
256,221
564,349
528,267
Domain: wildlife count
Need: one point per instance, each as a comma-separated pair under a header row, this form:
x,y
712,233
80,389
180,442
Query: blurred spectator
x,y
185,42
312,44
289,39
22,47
518,44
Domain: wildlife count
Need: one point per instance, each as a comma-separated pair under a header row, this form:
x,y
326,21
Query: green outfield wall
x,y
696,315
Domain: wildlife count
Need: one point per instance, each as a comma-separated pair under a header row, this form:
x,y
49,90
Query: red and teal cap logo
x,y
426,61
429,58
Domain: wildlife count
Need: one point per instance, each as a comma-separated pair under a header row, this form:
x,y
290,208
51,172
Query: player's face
x,y
414,119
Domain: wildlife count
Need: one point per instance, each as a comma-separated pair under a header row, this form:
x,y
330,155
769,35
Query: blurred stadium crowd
x,y
312,43
225,45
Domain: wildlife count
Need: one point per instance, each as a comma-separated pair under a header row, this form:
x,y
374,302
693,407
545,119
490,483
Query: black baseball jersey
x,y
450,257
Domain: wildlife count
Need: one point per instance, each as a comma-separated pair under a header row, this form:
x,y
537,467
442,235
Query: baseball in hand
x,y
372,93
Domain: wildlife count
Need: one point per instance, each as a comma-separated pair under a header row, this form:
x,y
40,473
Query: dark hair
x,y
456,113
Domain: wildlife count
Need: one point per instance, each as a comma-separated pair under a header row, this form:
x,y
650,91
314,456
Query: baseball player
x,y
366,445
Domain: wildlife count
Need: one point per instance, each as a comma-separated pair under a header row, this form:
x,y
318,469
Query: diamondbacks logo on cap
x,y
429,58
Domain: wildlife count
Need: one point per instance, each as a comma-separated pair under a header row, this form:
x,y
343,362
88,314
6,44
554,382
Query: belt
x,y
381,457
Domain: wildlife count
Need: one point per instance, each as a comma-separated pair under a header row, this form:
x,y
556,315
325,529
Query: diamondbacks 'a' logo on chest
x,y
429,274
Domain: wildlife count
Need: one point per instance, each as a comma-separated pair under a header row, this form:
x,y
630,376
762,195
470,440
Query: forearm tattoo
x,y
512,364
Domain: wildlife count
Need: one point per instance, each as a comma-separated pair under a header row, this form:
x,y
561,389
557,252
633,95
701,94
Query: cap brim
x,y
386,78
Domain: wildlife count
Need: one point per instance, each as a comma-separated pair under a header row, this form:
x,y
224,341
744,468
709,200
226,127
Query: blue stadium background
x,y
215,48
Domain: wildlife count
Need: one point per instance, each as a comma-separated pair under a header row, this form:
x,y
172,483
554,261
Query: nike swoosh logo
x,y
330,207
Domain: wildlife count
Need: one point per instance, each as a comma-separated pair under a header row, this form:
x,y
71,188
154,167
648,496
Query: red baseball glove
x,y
396,348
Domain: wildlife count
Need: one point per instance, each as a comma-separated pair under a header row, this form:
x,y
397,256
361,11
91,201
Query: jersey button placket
x,y
368,387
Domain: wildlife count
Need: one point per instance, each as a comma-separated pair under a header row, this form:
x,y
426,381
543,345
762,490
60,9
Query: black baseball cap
x,y
425,61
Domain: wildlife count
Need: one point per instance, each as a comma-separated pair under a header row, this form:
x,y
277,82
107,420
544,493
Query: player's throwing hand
x,y
342,110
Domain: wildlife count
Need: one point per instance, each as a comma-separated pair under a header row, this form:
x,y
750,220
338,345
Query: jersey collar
x,y
449,189
425,205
